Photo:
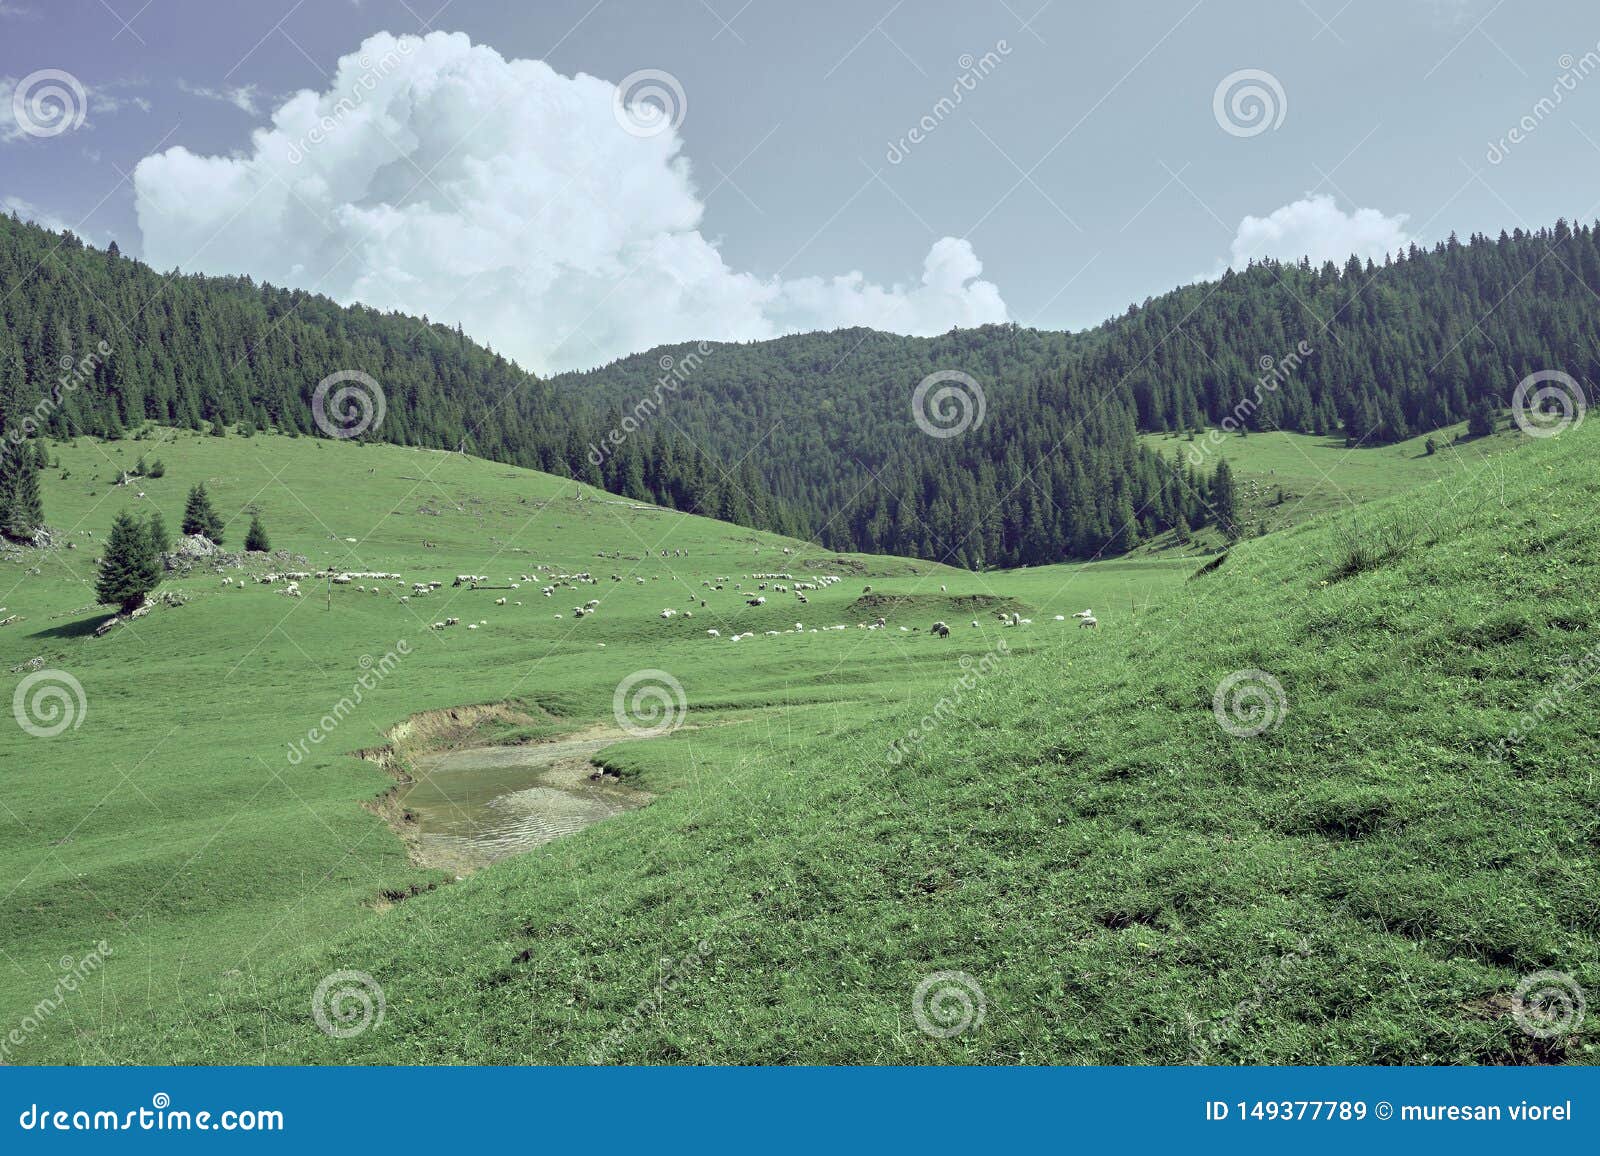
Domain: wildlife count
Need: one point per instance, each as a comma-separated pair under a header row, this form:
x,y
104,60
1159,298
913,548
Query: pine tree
x,y
130,569
199,517
256,538
21,511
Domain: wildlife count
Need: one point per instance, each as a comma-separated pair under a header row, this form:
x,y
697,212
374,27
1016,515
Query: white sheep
x,y
713,634
499,601
1089,621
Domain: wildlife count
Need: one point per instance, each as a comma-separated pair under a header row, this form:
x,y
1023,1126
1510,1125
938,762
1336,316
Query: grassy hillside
x,y
1123,877
1284,477
171,822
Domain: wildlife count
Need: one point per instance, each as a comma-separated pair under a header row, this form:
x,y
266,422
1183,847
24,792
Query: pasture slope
x,y
168,819
1117,867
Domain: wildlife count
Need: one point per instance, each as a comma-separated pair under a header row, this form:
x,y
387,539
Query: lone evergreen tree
x,y
160,539
21,512
1224,501
130,569
199,517
1480,422
256,538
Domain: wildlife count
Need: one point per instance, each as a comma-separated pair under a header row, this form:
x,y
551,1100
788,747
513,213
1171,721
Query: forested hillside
x,y
815,434
1396,350
1063,475
1376,353
92,342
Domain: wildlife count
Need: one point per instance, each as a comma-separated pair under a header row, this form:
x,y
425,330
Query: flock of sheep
x,y
555,580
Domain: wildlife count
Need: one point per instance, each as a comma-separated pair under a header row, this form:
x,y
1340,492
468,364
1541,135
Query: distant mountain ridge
x,y
1023,448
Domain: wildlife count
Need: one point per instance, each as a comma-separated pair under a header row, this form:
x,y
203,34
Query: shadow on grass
x,y
82,628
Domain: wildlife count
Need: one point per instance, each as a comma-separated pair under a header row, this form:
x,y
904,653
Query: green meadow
x,y
1064,838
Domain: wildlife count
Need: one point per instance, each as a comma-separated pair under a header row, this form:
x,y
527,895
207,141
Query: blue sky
x,y
815,166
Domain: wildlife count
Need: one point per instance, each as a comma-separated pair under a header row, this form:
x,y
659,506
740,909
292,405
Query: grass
x,y
1286,478
171,822
1062,820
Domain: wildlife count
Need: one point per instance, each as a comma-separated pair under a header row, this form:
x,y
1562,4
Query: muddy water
x,y
480,804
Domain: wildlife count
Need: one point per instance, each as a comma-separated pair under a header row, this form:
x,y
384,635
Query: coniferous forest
x,y
813,434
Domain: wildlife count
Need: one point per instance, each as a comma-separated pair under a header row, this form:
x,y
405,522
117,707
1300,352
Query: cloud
x,y
435,176
1316,227
242,98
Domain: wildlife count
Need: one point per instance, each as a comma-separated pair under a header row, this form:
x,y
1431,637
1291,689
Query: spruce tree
x,y
160,539
1224,501
199,517
256,538
21,511
130,569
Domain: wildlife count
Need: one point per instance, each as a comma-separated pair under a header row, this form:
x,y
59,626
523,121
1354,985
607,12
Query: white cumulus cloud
x,y
1316,227
435,176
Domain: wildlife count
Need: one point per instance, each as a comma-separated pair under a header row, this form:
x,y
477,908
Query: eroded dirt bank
x,y
464,801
